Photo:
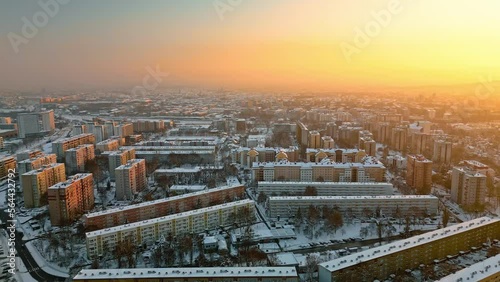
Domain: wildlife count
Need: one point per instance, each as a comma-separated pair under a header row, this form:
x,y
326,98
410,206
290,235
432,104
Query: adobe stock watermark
x,y
483,90
224,6
39,20
363,37
150,81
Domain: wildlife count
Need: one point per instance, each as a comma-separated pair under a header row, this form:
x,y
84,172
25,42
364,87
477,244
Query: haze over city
x,y
256,45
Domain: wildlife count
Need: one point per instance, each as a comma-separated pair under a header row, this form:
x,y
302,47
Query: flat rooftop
x,y
385,197
135,225
201,272
159,201
475,272
398,246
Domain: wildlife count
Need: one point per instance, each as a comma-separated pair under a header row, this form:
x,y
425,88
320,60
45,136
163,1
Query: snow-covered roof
x,y
321,184
159,201
299,198
398,246
70,180
476,272
201,272
135,225
367,162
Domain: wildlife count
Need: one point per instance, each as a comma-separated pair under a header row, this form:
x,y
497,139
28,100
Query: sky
x,y
279,45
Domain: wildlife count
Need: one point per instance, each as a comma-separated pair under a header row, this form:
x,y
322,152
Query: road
x,y
22,252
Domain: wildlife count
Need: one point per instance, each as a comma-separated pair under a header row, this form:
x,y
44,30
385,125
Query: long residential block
x,y
394,258
148,231
326,188
163,207
222,274
287,206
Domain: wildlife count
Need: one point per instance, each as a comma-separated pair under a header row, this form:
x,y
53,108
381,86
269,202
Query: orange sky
x,y
265,45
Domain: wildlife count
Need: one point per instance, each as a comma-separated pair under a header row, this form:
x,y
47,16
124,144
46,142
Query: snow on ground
x,y
42,263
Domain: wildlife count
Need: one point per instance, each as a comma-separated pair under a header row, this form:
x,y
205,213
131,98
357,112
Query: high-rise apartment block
x,y
77,157
442,151
130,179
314,139
61,146
327,142
28,154
108,145
123,130
35,124
419,173
6,164
468,186
148,125
35,163
118,158
68,200
37,182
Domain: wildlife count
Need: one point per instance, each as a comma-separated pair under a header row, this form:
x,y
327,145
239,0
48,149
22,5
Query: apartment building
x,y
326,188
191,274
107,145
246,156
487,270
163,153
419,173
79,129
37,182
76,158
2,146
399,138
61,146
6,164
337,155
35,124
314,140
118,158
70,199
369,170
148,231
163,207
148,125
468,186
327,142
442,151
34,163
123,130
287,206
28,154
130,179
394,258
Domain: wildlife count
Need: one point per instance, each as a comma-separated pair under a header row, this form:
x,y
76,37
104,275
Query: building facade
x,y
76,158
130,179
61,146
164,207
6,164
326,188
37,182
70,199
287,206
468,186
118,158
419,173
148,231
369,170
394,258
